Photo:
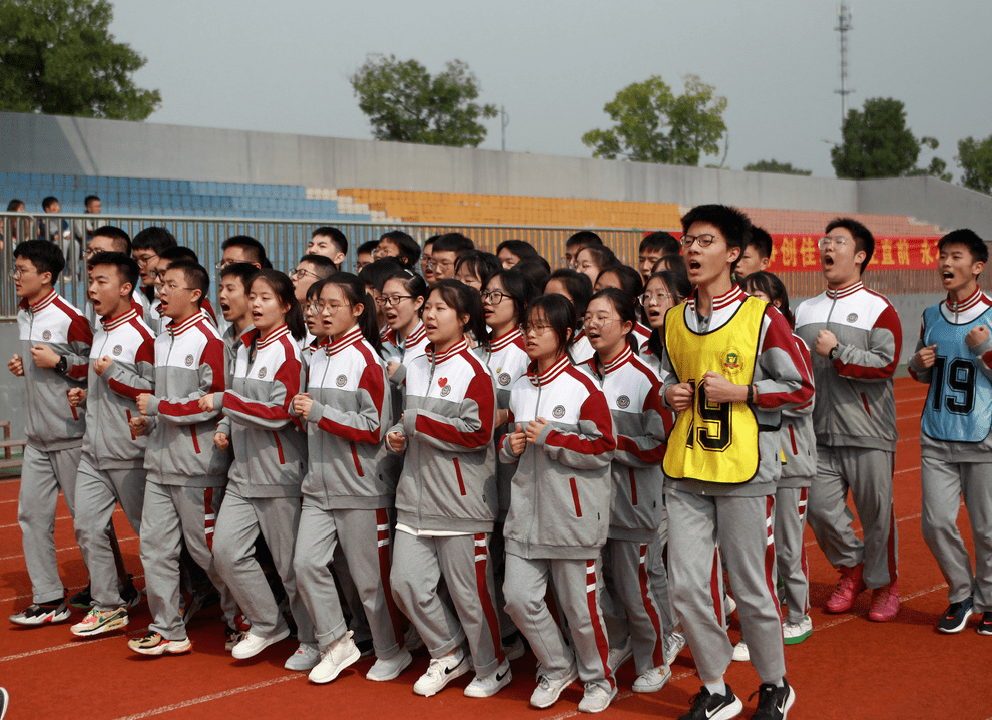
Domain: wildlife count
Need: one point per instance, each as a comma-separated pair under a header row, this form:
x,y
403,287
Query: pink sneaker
x,y
884,603
851,585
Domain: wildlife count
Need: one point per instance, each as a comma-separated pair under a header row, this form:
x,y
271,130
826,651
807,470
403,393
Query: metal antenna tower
x,y
843,27
504,120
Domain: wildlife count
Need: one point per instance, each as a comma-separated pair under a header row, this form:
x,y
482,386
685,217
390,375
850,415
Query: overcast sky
x,y
284,66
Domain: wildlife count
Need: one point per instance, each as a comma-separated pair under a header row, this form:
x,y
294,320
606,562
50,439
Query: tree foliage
x,y
58,57
877,143
975,158
405,103
776,167
653,125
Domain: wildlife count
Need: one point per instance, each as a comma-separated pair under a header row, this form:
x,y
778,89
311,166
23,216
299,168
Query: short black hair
x,y
482,264
14,204
49,201
376,274
578,285
863,239
453,242
521,249
89,199
536,269
605,259
761,241
465,300
127,267
195,274
772,286
179,252
409,249
517,288
584,238
334,234
560,314
369,246
251,247
44,255
969,238
662,241
630,280
734,225
122,241
153,238
245,271
324,265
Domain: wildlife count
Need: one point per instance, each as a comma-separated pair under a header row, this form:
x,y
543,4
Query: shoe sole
x,y
310,665
350,660
489,693
652,688
46,620
983,630
462,668
172,647
959,627
393,675
874,617
116,624
789,702
597,709
267,642
798,638
572,677
734,709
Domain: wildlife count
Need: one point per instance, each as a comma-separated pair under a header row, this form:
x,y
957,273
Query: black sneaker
x,y
773,701
956,616
985,624
82,600
706,706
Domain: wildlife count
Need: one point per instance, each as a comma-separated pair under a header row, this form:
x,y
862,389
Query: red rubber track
x,y
849,668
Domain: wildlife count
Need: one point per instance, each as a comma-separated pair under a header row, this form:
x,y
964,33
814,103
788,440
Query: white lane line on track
x,y
214,696
76,644
120,541
855,616
72,591
13,525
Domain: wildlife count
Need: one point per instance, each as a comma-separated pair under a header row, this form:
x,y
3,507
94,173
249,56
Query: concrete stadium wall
x,y
949,206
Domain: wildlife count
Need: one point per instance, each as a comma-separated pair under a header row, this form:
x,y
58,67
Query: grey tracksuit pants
x,y
867,474
363,537
630,586
943,485
743,528
419,563
43,473
576,582
790,552
97,495
239,522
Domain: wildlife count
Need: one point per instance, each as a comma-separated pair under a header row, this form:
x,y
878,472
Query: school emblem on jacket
x,y
262,372
852,317
504,379
732,362
341,381
623,402
445,387
558,412
47,335
189,361
118,349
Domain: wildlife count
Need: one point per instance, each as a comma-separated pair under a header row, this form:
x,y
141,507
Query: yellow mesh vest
x,y
715,442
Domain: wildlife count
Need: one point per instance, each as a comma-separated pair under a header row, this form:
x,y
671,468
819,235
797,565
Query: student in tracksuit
x,y
577,289
347,498
55,342
403,297
111,471
640,426
954,355
186,473
562,443
270,459
856,339
798,470
504,301
731,365
446,498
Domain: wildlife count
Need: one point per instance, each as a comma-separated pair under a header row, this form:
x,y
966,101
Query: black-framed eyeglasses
x,y
392,300
701,240
494,297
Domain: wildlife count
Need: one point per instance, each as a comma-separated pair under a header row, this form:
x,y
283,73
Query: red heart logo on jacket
x,y
442,382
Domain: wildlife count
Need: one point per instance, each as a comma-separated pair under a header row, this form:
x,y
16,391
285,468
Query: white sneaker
x,y
384,670
596,698
335,658
548,691
483,687
305,658
618,656
440,672
653,680
516,649
729,605
253,644
741,653
795,633
674,642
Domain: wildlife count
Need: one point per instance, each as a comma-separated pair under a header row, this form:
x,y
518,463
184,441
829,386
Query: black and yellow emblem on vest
x,y
714,442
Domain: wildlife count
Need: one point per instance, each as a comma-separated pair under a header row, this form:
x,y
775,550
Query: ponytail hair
x,y
770,284
283,287
356,294
465,300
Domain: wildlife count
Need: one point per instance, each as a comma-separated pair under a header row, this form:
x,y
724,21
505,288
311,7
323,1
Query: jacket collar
x,y
449,353
418,334
548,375
625,355
185,325
734,294
274,337
347,340
122,319
505,340
41,304
845,291
967,304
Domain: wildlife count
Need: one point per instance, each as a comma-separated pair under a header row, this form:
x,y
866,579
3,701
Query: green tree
x,y
58,57
775,166
653,125
405,103
975,158
877,143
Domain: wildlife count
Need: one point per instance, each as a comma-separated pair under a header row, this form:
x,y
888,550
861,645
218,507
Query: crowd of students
x,y
488,455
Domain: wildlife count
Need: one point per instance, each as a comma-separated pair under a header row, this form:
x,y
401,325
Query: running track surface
x,y
849,668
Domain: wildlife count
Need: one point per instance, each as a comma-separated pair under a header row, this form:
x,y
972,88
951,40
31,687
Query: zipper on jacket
x,y
575,497
458,474
358,462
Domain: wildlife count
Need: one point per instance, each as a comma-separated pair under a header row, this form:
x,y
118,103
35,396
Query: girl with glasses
x,y
403,296
664,290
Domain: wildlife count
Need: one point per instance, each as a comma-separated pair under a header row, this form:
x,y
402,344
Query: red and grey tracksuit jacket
x,y
855,399
346,426
51,423
190,362
798,436
270,447
449,472
560,498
